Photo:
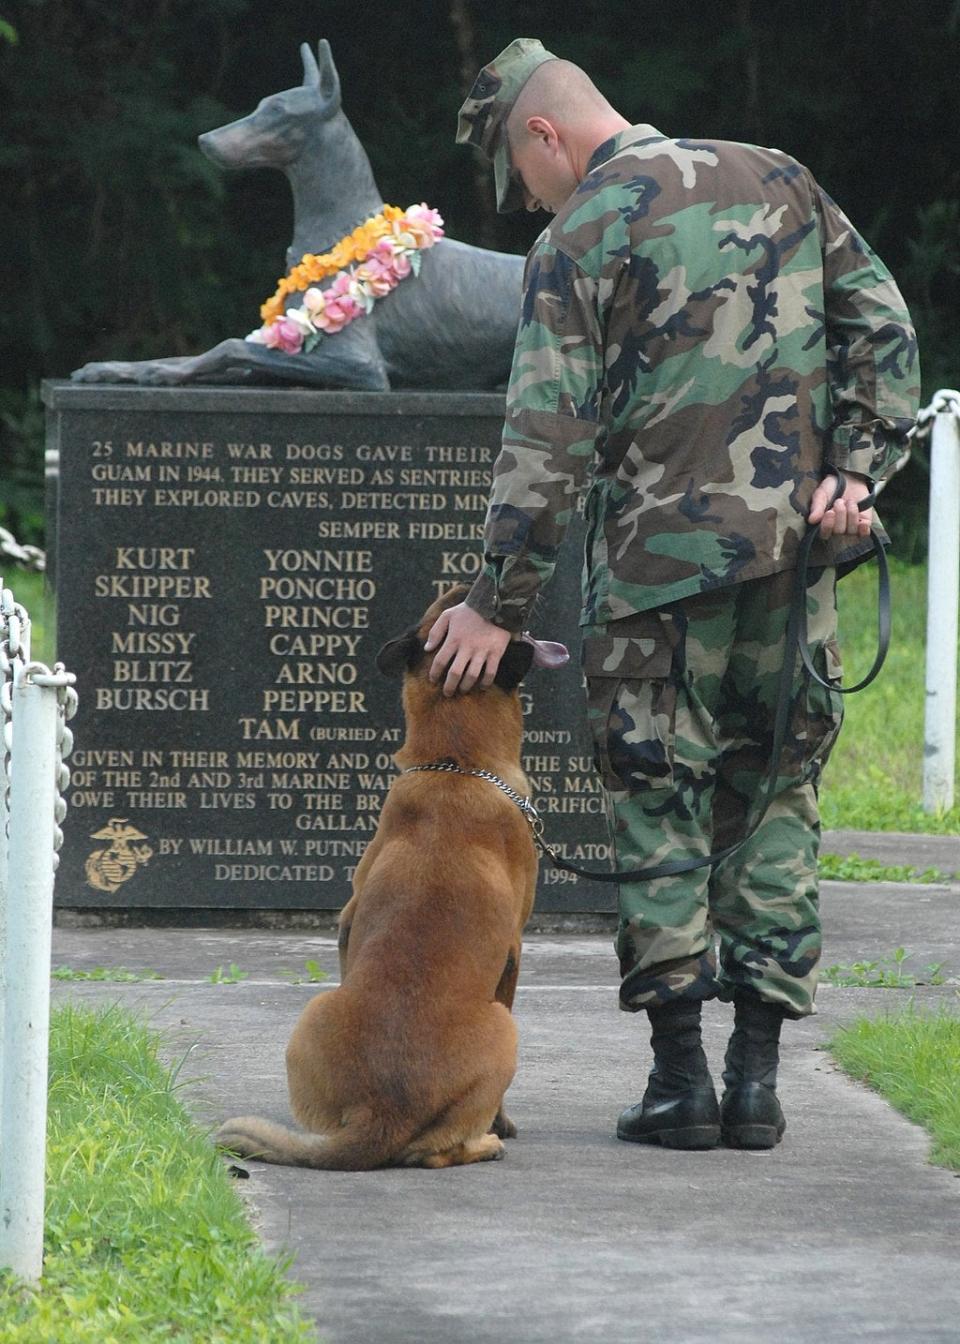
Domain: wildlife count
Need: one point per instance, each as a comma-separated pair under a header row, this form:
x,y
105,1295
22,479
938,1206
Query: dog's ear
x,y
401,654
514,665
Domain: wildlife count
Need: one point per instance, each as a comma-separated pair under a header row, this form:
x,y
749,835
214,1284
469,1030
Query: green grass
x,y
851,868
913,1060
312,974
886,973
228,975
29,589
873,780
146,1238
112,973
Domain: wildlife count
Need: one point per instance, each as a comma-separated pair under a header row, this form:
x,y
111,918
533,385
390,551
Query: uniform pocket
x,y
824,707
631,702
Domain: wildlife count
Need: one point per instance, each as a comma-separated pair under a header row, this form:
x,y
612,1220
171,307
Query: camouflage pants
x,y
681,703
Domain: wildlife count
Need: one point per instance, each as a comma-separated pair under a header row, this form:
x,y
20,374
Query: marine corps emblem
x,y
107,869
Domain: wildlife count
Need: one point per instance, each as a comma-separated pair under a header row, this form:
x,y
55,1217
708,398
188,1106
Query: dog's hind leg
x,y
507,987
459,1132
343,936
345,923
343,942
503,1127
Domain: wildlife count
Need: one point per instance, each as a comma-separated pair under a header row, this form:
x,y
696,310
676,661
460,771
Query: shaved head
x,y
558,120
563,94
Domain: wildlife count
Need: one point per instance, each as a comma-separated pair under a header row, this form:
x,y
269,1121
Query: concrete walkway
x,y
842,1233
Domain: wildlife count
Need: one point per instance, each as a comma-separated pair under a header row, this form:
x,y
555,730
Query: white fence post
x,y
943,597
14,648
23,1133
34,718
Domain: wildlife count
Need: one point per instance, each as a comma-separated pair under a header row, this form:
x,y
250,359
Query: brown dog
x,y
406,1063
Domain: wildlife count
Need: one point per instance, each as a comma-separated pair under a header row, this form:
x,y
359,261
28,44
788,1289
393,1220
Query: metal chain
x,y
524,803
67,702
15,665
14,649
31,557
946,400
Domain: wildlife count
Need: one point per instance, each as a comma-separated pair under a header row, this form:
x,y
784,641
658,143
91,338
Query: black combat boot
x,y
679,1107
750,1114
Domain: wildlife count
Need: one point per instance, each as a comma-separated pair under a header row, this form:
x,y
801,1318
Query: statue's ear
x,y
401,654
514,665
320,73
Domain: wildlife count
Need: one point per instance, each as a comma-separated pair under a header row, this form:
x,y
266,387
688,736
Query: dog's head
x,y
405,653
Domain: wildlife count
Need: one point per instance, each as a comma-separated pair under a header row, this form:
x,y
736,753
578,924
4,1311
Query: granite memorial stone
x,y
228,563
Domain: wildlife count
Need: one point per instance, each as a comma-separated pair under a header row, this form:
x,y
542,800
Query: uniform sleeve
x,y
872,363
549,436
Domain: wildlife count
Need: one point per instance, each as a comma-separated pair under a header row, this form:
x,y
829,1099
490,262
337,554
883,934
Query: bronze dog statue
x,y
453,326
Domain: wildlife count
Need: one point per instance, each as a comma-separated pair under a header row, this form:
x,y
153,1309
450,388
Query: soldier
x,y
705,338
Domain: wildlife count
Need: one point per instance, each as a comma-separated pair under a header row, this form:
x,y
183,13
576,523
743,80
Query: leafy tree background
x,y
119,239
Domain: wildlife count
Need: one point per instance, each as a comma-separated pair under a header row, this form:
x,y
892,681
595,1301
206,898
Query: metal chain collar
x,y
525,805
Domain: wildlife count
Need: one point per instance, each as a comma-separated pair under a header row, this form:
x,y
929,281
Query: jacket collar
x,y
633,135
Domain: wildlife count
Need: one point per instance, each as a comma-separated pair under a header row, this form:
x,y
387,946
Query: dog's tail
x,y
361,1145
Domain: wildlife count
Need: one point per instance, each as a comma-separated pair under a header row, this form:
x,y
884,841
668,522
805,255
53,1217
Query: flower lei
x,y
386,246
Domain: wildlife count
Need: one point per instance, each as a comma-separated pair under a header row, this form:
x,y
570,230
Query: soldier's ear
x,y
514,665
401,654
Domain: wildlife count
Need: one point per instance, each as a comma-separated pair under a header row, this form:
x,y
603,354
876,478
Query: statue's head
x,y
274,134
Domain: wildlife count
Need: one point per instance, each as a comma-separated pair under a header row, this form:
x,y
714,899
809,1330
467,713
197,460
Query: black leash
x,y
796,638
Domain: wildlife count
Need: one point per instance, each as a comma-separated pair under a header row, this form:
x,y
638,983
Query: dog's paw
x,y
486,1149
234,1136
111,371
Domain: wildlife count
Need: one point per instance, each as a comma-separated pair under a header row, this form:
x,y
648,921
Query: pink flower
x,y
424,212
279,335
337,313
425,224
340,286
395,262
376,275
288,336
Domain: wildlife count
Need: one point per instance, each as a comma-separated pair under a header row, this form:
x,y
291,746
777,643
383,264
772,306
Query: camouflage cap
x,y
483,117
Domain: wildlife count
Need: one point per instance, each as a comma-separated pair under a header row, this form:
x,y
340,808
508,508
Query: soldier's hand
x,y
843,518
469,649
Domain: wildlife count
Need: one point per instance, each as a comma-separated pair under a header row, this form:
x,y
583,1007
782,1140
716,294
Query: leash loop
x,y
883,599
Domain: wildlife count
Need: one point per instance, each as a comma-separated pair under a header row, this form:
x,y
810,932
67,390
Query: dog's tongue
x,y
546,653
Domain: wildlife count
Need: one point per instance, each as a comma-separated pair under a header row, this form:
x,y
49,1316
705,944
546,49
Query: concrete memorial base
x,y
227,563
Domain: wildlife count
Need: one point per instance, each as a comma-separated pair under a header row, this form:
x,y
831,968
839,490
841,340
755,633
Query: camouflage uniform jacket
x,y
702,331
